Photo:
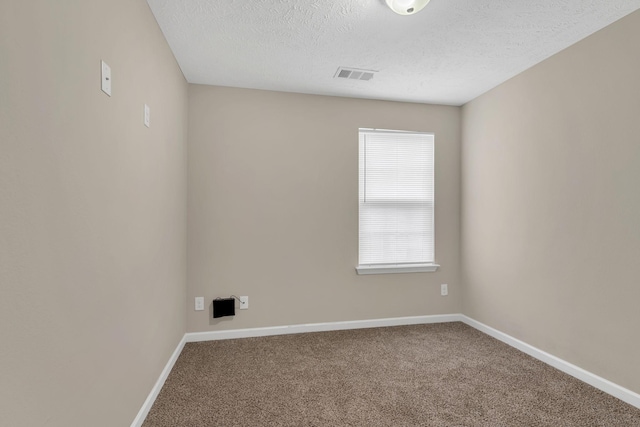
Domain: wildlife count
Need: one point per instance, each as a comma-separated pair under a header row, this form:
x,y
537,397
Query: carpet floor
x,y
424,375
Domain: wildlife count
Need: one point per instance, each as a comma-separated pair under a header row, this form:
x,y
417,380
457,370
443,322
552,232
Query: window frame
x,y
386,268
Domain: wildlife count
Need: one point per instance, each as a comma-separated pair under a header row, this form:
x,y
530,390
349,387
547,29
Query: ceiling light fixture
x,y
407,7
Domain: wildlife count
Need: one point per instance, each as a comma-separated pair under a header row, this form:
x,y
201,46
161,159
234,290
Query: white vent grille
x,y
354,74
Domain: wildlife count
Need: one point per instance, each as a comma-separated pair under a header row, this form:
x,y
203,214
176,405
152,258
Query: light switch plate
x,y
147,116
106,78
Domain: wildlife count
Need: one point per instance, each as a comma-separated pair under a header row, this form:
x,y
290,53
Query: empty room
x,y
319,213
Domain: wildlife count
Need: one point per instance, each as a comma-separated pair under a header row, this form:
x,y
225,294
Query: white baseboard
x,y
319,327
600,383
151,398
594,380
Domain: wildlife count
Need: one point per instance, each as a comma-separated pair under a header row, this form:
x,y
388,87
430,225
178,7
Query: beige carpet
x,y
424,375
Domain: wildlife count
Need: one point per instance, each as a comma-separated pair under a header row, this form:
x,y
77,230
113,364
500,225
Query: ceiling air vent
x,y
354,73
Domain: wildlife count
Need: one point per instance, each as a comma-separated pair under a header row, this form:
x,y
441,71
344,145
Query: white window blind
x,y
396,226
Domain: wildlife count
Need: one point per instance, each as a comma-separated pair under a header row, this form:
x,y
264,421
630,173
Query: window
x,y
396,208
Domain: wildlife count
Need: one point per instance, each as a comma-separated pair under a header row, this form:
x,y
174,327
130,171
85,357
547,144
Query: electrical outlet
x,y
199,303
244,303
444,290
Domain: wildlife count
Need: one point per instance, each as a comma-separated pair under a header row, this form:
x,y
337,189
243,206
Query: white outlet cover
x,y
444,290
244,303
106,78
199,304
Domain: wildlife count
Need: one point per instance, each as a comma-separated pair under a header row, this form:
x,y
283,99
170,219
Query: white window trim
x,y
397,268
430,267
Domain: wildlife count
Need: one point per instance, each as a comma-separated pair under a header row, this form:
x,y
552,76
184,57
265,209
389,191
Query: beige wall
x,y
551,207
92,211
93,241
273,208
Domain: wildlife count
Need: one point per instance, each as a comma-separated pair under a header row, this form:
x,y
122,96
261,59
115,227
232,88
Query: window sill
x,y
391,269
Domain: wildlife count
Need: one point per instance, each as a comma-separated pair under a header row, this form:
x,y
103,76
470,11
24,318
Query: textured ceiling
x,y
449,53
